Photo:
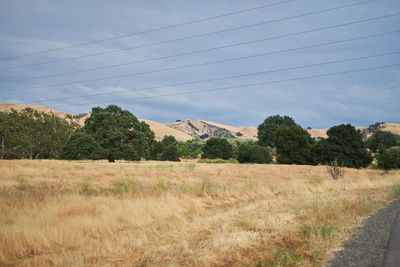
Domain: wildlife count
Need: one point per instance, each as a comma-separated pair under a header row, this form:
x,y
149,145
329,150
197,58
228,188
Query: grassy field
x,y
155,214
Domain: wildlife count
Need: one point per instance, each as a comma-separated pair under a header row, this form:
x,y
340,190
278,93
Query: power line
x,y
152,30
248,85
191,36
210,62
225,77
201,50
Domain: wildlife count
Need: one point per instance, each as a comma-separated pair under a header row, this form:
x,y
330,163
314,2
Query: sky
x,y
321,62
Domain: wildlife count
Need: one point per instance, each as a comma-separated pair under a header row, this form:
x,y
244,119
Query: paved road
x,y
392,258
375,244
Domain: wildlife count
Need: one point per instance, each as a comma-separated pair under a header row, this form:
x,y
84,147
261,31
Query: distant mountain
x,y
205,129
187,129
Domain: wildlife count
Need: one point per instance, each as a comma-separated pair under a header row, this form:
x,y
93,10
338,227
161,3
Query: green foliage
x,y
82,146
170,153
169,140
266,130
156,150
31,134
345,144
389,159
381,141
293,145
119,133
217,148
253,153
191,148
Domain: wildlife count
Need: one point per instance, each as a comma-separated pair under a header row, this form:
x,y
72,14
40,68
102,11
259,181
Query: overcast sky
x,y
161,83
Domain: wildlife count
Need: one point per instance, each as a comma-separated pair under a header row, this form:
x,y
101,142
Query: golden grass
x,y
151,213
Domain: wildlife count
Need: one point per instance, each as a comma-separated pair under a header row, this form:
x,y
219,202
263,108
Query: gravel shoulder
x,y
368,243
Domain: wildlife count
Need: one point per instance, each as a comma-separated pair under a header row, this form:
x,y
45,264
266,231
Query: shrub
x,y
389,159
253,153
217,148
334,170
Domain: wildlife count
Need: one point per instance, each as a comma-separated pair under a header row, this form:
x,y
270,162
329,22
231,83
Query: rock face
x,y
205,129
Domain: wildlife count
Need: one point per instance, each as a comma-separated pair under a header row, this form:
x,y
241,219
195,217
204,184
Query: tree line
x,y
113,133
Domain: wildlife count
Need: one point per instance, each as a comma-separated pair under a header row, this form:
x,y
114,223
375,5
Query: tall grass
x,y
156,214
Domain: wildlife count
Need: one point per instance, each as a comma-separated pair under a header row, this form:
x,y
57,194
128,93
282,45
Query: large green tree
x,y
345,144
381,140
82,146
119,133
32,134
217,148
293,145
390,158
266,130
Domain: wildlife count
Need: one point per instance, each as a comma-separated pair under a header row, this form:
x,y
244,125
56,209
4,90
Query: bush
x,y
389,159
334,170
170,153
217,148
253,153
82,146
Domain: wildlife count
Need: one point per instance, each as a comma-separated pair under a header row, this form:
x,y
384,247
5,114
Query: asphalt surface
x,y
375,244
392,258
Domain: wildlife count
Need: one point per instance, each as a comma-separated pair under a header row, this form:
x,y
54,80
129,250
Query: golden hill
x,y
187,129
160,130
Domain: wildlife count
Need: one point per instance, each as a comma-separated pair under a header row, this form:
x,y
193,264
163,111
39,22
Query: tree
x,y
82,146
156,150
345,144
253,153
266,130
169,140
191,148
120,133
390,158
293,145
381,140
217,148
32,134
170,153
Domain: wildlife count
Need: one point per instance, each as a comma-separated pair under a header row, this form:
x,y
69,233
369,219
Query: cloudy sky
x,y
321,62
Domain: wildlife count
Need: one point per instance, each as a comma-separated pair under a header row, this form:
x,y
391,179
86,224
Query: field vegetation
x,y
188,213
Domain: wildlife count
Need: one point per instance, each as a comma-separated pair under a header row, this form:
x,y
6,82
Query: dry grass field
x,y
75,213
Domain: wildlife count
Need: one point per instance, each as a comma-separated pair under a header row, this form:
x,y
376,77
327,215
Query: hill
x,y
160,130
187,129
205,129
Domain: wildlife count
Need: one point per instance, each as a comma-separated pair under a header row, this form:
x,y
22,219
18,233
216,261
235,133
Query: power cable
x,y
223,78
151,30
188,37
200,51
247,85
210,62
